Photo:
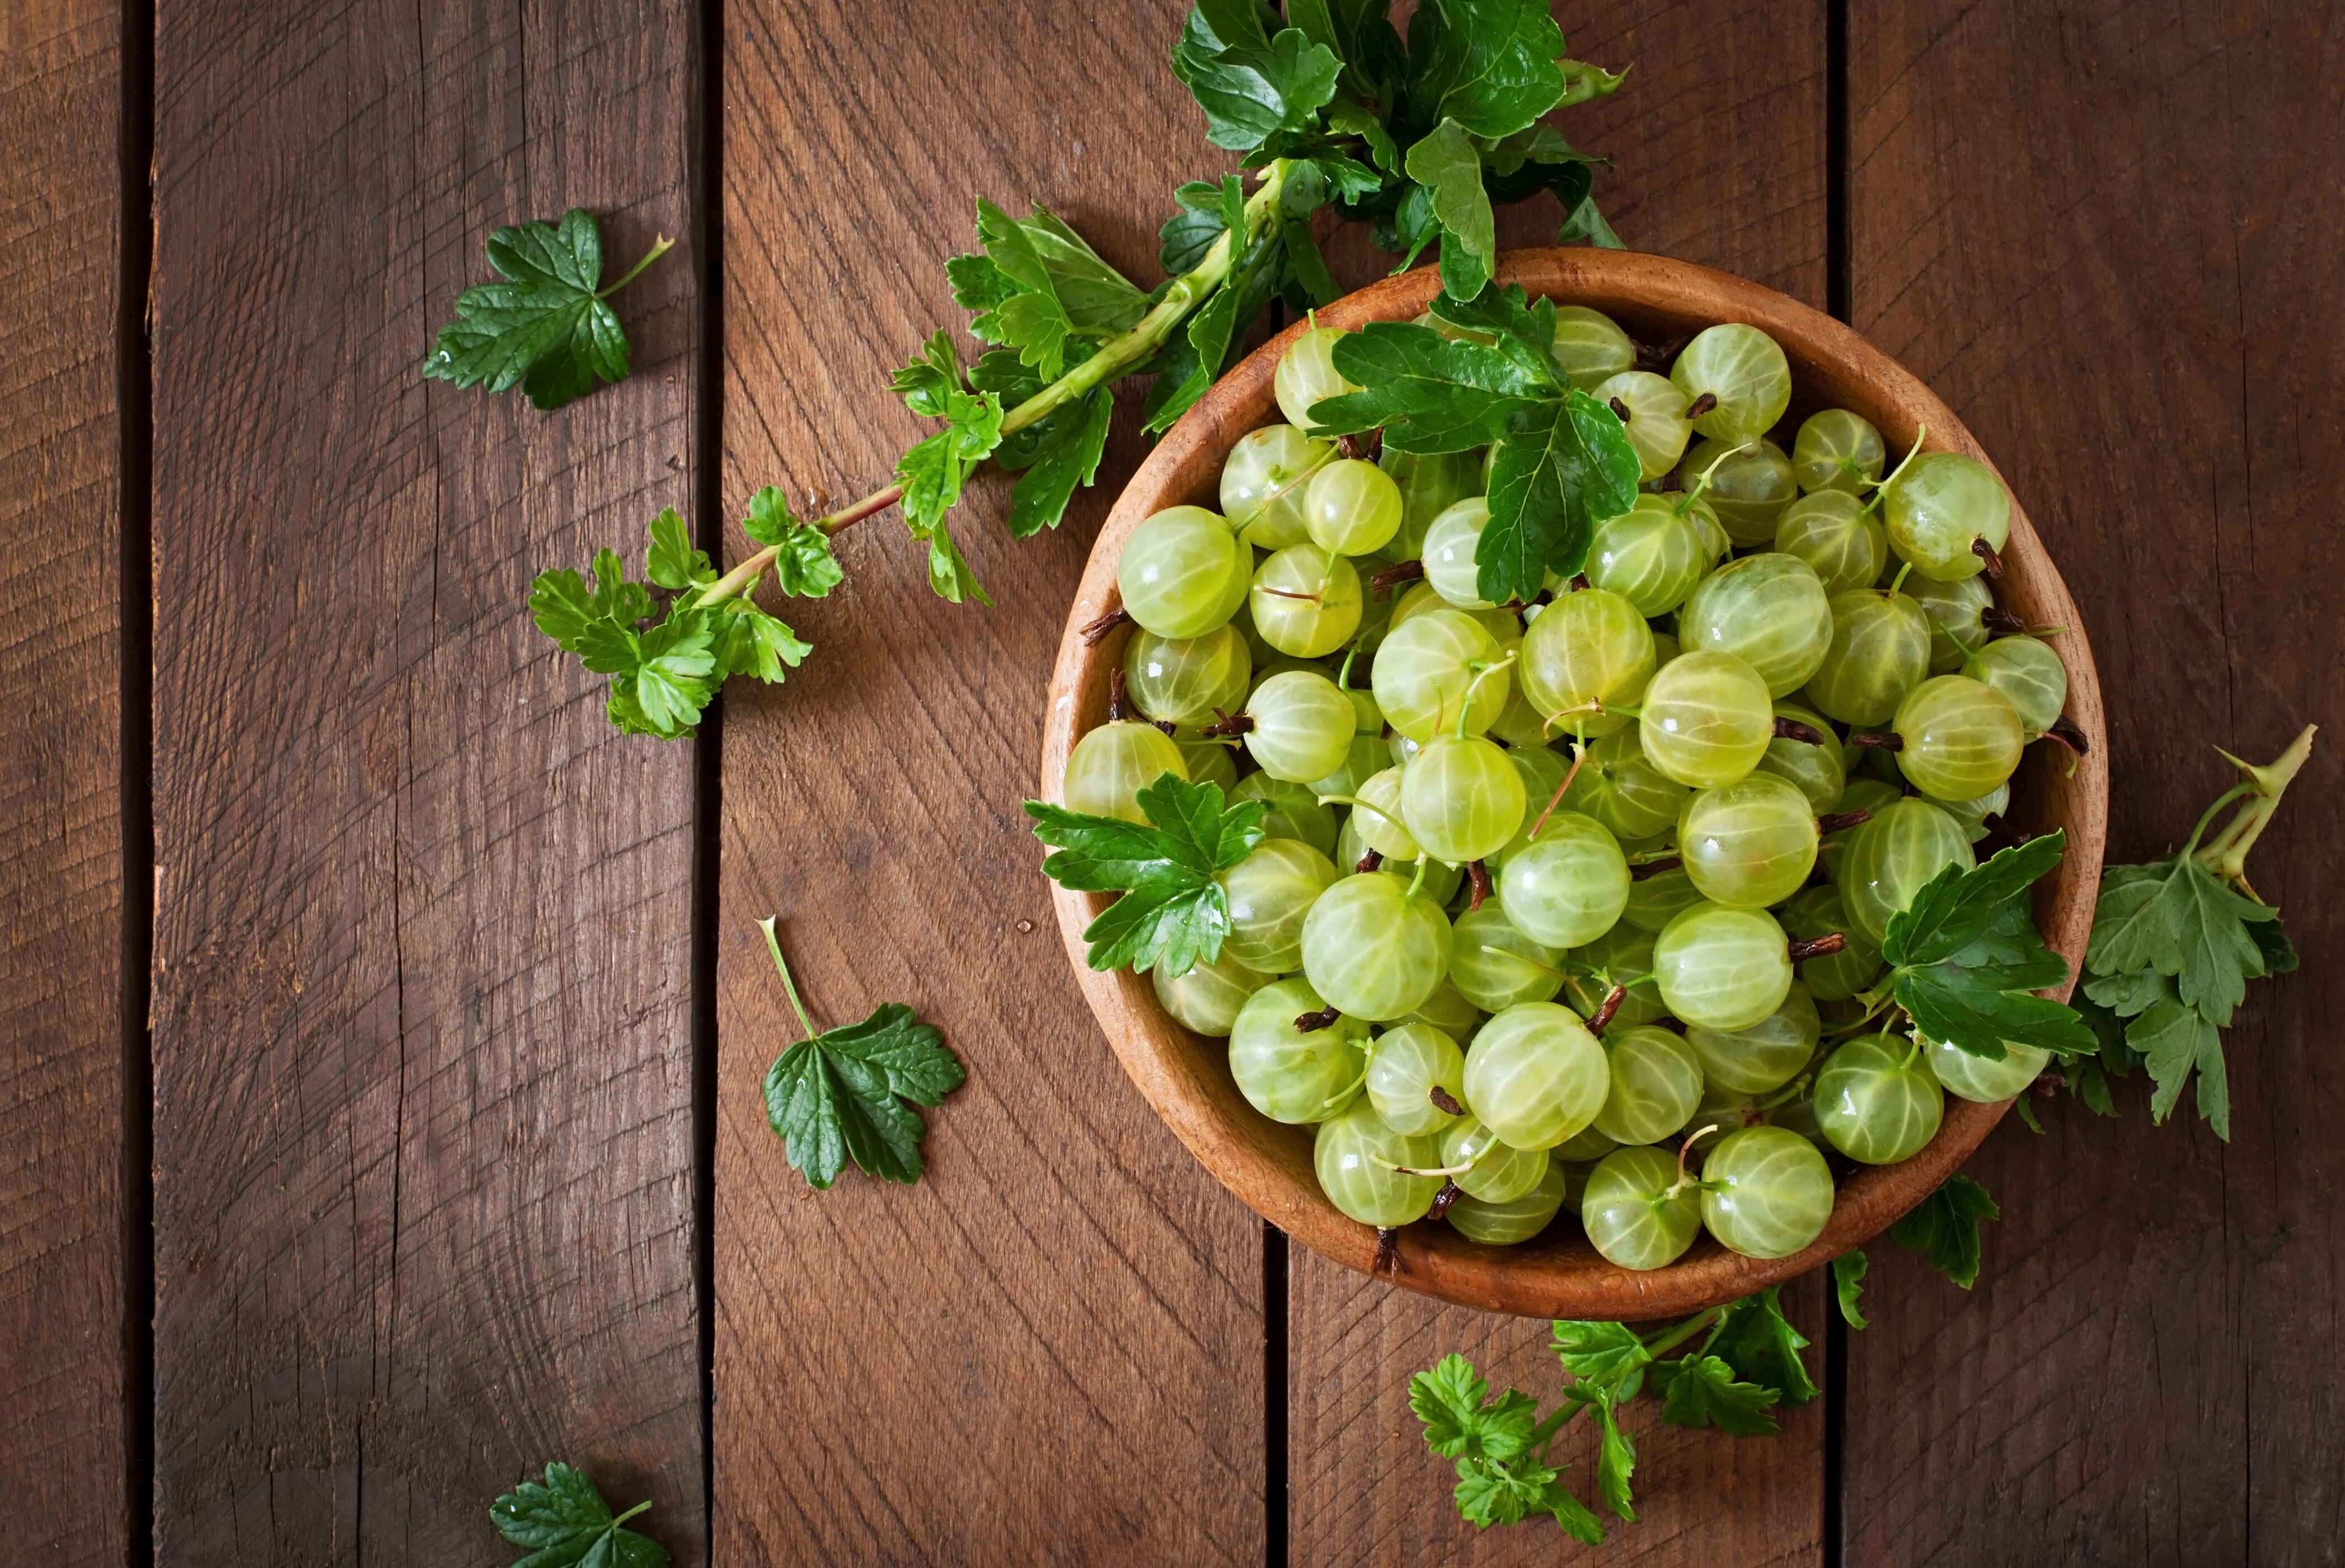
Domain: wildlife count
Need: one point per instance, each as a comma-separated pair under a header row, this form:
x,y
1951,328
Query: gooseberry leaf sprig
x,y
563,1521
1173,911
1420,139
1563,460
2174,943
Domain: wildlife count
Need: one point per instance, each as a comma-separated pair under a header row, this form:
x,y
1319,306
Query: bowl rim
x,y
1184,1077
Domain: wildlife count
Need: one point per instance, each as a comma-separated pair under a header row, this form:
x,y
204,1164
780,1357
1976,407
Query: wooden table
x,y
443,1044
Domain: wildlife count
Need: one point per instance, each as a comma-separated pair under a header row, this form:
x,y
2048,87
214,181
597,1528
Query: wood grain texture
x,y
2106,233
62,1452
421,1038
1050,1349
1718,143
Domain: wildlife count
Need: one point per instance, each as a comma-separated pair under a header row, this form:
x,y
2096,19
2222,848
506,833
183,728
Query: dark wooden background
x,y
377,1104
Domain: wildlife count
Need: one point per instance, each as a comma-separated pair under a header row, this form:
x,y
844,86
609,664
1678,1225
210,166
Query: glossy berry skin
x,y
1461,798
1649,555
1707,718
1269,893
1263,482
1112,764
1962,738
1542,769
1875,1107
2027,672
1939,506
1405,1062
1838,452
1450,545
1353,508
1511,1223
1176,570
1306,374
1722,969
1448,1010
1955,610
1379,823
1657,428
1745,370
1494,965
1831,976
1589,346
1751,485
1305,601
1303,726
1621,954
1770,1192
1430,484
1182,682
1631,1213
1619,787
1770,610
1568,886
1655,1085
1536,1075
1980,1078
1748,845
1892,857
1374,951
1209,997
1767,1055
1818,772
1501,1173
1656,899
1290,1075
1354,1158
1586,651
1426,671
1880,651
1839,538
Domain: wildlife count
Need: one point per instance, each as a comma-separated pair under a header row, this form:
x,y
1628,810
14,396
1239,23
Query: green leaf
x,y
1033,320
673,562
849,1093
1173,910
1944,1228
1607,1355
1848,1286
1561,470
1254,92
1040,499
547,329
932,473
1489,65
1500,1480
1195,224
1954,907
1319,285
749,642
2173,917
1427,392
1583,221
1702,1391
931,378
2173,1040
804,566
566,1522
1449,165
1516,326
1754,1338
1616,1461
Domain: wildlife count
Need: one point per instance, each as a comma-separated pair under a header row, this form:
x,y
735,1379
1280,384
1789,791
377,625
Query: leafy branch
x,y
1421,139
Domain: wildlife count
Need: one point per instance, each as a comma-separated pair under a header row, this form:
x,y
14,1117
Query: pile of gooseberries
x,y
1578,903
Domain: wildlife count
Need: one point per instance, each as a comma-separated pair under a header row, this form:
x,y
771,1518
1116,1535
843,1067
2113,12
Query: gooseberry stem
x,y
1921,434
1416,883
1579,755
789,985
2227,856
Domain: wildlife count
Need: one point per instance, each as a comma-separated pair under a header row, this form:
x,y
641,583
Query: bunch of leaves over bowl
x,y
1564,464
1420,139
1965,958
666,644
2174,943
1173,911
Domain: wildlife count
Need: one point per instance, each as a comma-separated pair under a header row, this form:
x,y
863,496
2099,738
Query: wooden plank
x,y
1050,1349
2109,242
63,1451
1717,142
421,1026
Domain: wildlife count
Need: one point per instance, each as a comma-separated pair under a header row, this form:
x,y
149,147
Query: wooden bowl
x,y
1187,1077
